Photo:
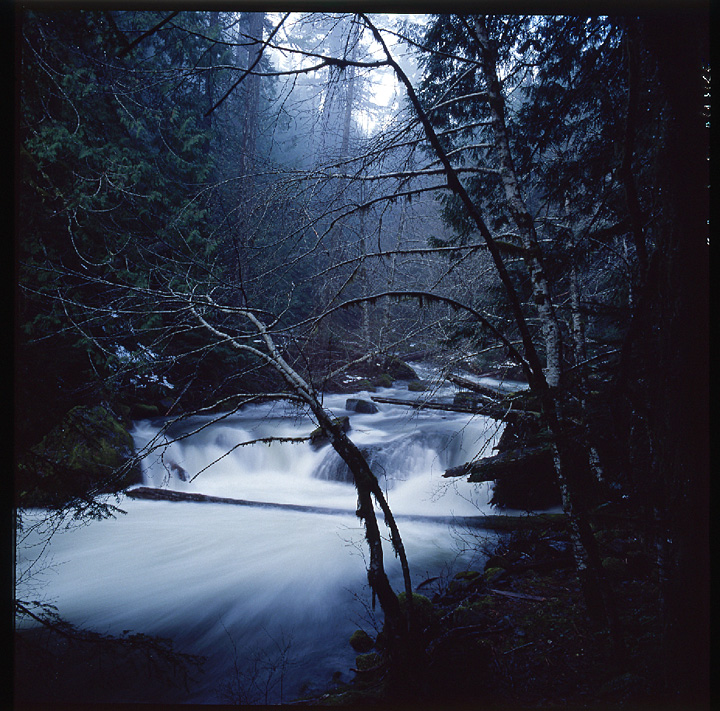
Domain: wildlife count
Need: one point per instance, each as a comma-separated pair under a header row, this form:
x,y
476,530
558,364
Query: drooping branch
x,y
366,482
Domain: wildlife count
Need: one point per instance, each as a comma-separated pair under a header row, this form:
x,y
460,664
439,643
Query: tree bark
x,y
518,209
543,381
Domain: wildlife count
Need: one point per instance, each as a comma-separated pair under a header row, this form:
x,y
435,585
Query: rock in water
x,y
364,407
318,437
399,370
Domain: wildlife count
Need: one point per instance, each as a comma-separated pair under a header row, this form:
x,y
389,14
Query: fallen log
x,y
152,494
468,384
513,461
490,523
493,410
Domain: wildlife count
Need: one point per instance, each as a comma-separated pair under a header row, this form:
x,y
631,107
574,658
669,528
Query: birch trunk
x,y
518,209
571,458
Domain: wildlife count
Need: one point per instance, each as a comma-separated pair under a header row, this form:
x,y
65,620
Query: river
x,y
270,596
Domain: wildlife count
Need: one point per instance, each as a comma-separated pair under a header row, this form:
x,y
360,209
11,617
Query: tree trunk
x,y
542,383
521,216
251,96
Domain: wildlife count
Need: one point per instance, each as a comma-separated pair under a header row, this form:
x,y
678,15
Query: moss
x,y
420,602
498,561
473,613
484,603
466,398
492,575
384,380
424,612
399,370
363,662
417,386
361,641
319,438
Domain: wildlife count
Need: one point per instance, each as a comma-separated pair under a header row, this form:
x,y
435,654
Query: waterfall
x,y
242,584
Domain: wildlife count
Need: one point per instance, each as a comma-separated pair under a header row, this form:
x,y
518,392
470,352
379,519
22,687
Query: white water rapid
x,y
269,595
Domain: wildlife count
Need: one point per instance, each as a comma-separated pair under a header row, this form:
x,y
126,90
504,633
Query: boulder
x,y
384,380
399,370
365,407
367,662
361,641
89,452
318,437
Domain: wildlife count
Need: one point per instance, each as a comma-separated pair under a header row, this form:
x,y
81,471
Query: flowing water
x,y
270,596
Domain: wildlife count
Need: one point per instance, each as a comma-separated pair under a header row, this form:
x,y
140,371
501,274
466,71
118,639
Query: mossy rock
x,y
361,641
88,453
492,575
384,380
363,662
142,411
473,613
499,561
465,582
361,406
421,604
418,386
424,612
399,370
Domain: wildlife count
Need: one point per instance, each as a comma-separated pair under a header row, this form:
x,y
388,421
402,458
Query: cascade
x,y
241,584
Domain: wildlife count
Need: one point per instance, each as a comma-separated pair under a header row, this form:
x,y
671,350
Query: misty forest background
x,y
213,207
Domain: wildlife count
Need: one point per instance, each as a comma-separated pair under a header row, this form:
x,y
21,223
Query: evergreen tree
x,y
112,161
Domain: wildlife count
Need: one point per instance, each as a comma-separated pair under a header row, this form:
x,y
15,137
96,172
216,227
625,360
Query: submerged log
x,y
513,461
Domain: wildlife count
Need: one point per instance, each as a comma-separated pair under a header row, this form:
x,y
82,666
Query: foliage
x,y
112,159
89,452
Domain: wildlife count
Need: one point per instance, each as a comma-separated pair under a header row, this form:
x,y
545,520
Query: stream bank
x,y
514,635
